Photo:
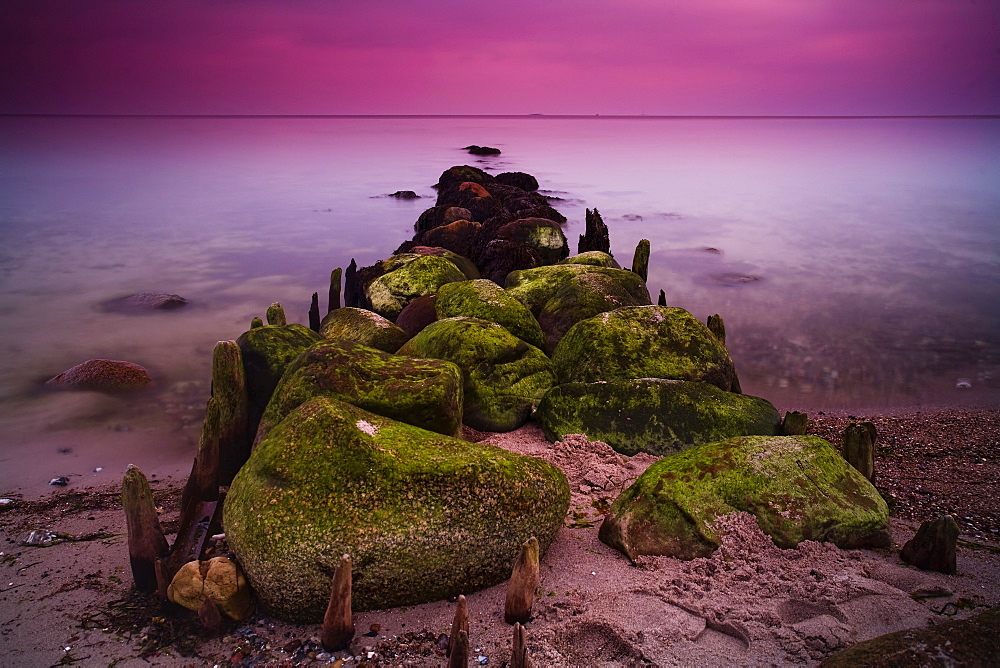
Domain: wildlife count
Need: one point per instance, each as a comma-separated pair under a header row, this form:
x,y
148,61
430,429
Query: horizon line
x,y
517,116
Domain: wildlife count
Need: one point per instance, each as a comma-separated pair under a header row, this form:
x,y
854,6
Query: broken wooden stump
x,y
146,543
458,640
717,327
196,521
595,236
933,548
519,649
314,312
640,260
209,615
338,622
859,448
229,389
203,483
352,290
333,300
795,424
276,315
256,322
662,300
523,584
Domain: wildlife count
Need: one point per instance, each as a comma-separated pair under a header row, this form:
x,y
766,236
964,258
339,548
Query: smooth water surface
x,y
856,262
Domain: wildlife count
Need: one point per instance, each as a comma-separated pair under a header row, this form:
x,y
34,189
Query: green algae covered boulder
x,y
486,300
542,235
426,393
643,342
504,377
363,326
579,298
390,292
464,264
798,487
266,351
535,287
423,516
595,258
653,415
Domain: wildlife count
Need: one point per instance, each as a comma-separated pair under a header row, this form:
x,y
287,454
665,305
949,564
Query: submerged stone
x,y
486,300
798,487
643,342
423,392
423,516
504,377
103,376
364,327
653,415
535,287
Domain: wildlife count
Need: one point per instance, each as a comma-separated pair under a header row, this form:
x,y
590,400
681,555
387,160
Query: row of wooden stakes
x,y
338,622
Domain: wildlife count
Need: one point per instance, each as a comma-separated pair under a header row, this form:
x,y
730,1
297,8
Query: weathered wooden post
x,y
333,302
640,261
229,389
458,641
314,313
203,483
519,650
146,543
662,301
717,327
794,424
933,548
859,448
595,236
338,622
352,291
276,315
523,584
256,322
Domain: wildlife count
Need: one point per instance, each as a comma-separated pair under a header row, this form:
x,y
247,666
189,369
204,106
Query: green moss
x,y
423,516
579,298
362,326
643,342
266,351
534,287
595,258
798,487
423,392
389,293
504,377
488,301
657,416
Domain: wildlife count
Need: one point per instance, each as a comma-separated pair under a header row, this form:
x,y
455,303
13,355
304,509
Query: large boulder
x,y
103,376
363,326
542,235
520,180
653,415
456,236
423,516
504,377
389,293
266,352
426,393
643,342
464,264
486,300
798,487
419,313
535,287
596,258
579,298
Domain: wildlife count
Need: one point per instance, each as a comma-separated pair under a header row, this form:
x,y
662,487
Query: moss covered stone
x,y
653,415
486,300
595,258
535,287
504,377
389,293
798,487
423,392
542,235
643,342
363,326
579,298
464,264
423,516
266,351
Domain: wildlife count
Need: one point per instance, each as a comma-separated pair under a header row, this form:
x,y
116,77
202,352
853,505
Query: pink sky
x,y
501,57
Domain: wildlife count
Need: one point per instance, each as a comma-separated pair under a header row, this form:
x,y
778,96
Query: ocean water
x,y
856,262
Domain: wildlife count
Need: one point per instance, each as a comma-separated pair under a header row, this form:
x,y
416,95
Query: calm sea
x,y
856,262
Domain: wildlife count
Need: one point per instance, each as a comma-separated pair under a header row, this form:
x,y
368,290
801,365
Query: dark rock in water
x,y
456,237
731,280
962,642
416,315
501,257
431,218
933,548
518,180
405,194
482,150
541,235
544,211
459,174
144,301
102,375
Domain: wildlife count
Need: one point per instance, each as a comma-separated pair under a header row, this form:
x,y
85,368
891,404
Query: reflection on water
x,y
856,263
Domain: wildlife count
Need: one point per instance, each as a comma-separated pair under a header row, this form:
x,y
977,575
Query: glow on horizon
x,y
633,57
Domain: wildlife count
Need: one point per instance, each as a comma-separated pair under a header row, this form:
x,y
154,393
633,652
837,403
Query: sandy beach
x,y
751,603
